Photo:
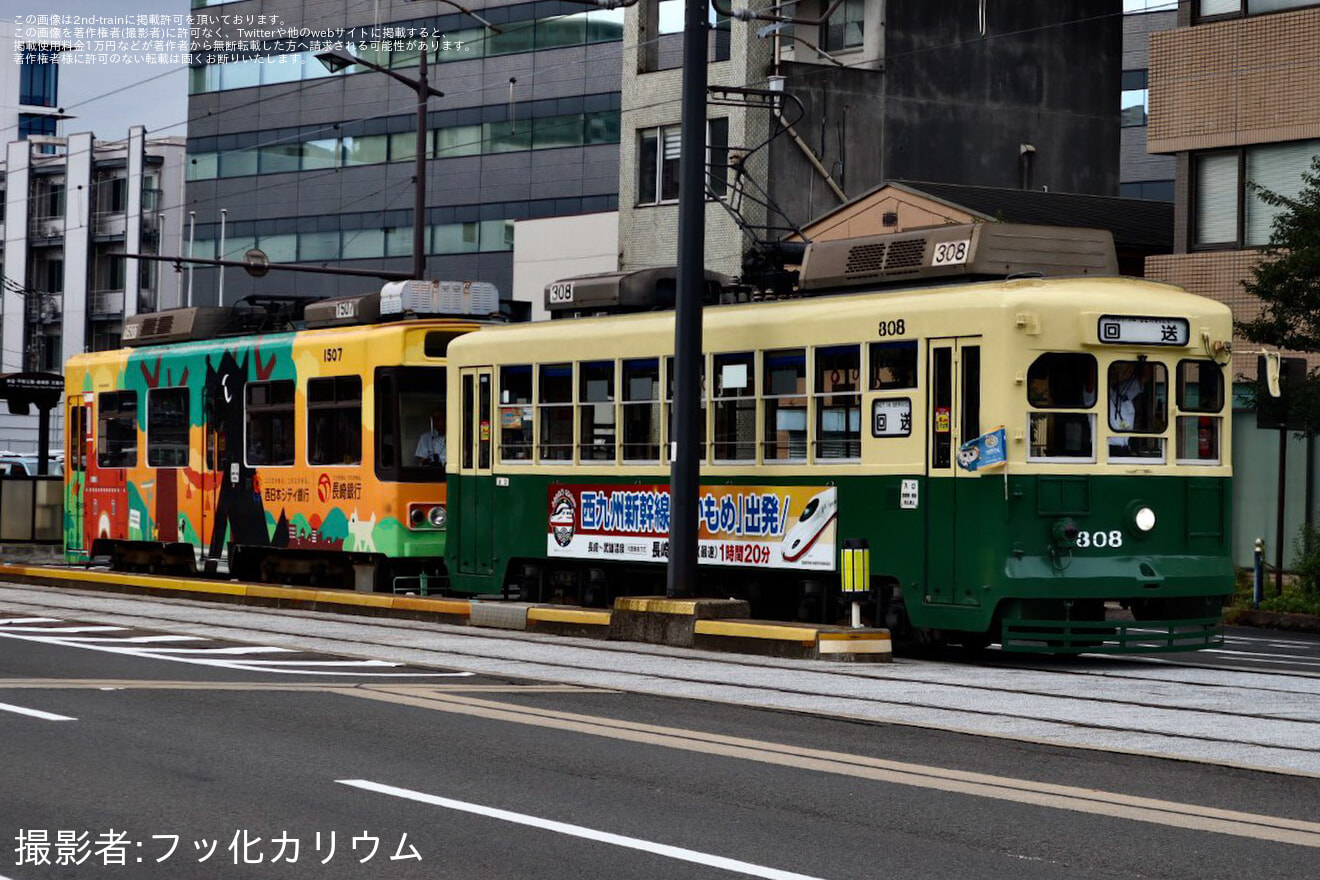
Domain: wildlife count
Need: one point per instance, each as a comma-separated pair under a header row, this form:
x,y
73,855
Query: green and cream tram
x,y
1037,461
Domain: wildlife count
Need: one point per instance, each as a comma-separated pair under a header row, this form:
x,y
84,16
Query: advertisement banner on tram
x,y
751,526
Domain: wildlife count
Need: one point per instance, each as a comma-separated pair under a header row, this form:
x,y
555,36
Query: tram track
x,y
1191,712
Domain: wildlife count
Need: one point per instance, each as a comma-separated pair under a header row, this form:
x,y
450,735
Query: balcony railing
x,y
42,226
105,303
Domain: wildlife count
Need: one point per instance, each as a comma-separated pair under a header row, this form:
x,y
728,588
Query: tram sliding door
x,y
954,411
75,434
477,512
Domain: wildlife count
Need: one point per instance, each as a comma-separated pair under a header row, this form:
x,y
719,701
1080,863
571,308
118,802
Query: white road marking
x,y
252,649
63,629
6,621
285,667
672,852
1258,657
136,640
33,713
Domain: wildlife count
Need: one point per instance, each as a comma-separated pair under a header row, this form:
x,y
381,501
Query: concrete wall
x,y
561,247
648,234
959,103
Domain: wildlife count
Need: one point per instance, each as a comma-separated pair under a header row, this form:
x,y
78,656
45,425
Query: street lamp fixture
x,y
336,61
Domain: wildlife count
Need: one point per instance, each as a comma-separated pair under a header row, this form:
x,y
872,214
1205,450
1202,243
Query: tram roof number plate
x,y
1132,330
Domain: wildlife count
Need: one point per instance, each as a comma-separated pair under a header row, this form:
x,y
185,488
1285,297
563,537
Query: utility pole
x,y
685,469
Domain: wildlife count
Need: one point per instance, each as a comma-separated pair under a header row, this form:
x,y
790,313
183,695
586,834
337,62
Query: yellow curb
x,y
568,615
371,600
854,636
265,591
804,634
458,607
655,606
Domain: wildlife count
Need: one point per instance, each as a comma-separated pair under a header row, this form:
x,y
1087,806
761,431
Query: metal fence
x,y
31,509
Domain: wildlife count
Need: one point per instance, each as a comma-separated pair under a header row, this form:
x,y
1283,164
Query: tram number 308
x,y
1112,538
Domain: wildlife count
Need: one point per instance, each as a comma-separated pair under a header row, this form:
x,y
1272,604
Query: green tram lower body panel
x,y
1029,561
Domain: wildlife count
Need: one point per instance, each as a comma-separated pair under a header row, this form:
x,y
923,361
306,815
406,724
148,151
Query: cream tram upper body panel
x,y
1012,321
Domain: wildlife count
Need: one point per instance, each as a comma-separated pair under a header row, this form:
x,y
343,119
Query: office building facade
x,y
314,167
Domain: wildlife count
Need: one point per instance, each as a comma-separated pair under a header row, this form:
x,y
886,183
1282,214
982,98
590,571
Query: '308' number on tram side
x,y
1111,538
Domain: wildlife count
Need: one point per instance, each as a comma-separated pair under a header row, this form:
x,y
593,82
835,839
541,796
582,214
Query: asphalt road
x,y
201,756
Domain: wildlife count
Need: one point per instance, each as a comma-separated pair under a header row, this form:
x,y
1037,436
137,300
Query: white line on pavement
x,y
33,713
59,630
136,640
8,621
673,852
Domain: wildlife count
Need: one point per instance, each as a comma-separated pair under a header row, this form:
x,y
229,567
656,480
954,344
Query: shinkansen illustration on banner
x,y
756,526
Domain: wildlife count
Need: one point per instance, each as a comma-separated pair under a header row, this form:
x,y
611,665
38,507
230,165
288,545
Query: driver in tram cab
x,y
431,445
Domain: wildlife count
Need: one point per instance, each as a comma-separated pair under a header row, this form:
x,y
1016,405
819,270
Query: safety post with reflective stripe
x,y
856,567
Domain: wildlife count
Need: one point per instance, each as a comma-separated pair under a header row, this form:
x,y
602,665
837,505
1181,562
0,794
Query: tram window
x,y
167,427
596,425
269,434
1200,387
969,420
334,420
1138,404
838,402
1197,439
785,387
1062,436
517,419
555,403
116,429
411,439
1062,380
735,406
641,410
893,365
669,405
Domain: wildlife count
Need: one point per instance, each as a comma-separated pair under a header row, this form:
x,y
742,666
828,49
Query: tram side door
x,y
477,493
209,492
75,457
953,408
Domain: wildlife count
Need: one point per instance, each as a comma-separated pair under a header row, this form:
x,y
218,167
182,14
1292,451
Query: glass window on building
x,y
657,165
845,28
1215,198
35,124
38,81
1134,105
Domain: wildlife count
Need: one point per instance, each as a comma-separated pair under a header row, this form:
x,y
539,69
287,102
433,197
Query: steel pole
x,y
685,472
419,182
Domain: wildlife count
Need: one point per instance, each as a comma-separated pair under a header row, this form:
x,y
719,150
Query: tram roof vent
x,y
970,250
175,325
364,309
439,298
615,293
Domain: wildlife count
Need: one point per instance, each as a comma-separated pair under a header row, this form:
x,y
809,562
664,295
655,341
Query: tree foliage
x,y
1287,282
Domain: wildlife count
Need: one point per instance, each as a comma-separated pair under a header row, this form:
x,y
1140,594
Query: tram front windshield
x,y
412,434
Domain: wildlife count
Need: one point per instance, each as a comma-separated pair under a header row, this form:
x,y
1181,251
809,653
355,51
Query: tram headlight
x,y
1144,519
427,516
1065,532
